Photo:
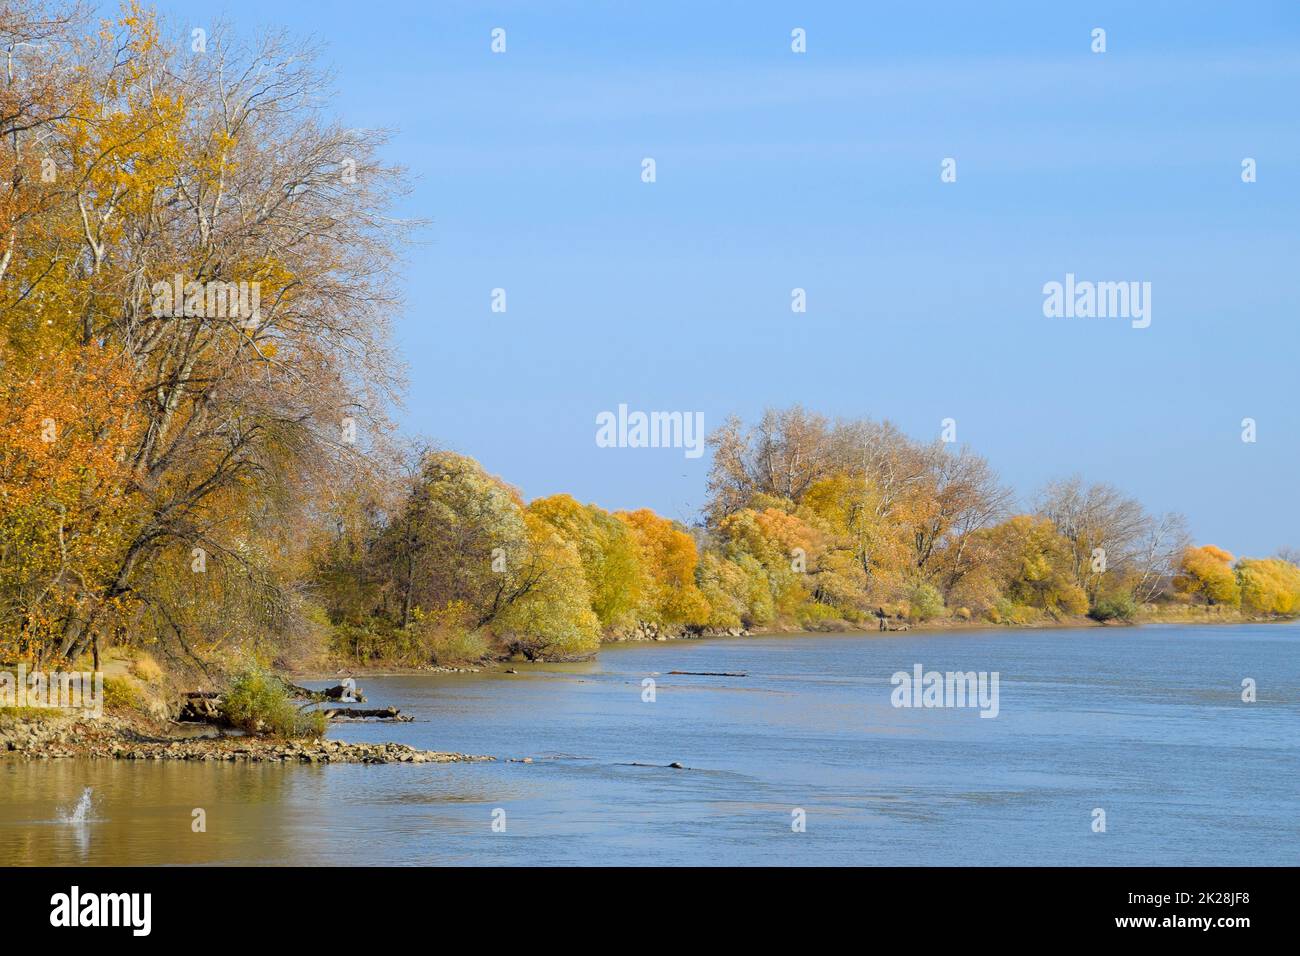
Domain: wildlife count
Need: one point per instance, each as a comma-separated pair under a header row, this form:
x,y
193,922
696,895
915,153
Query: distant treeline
x,y
808,522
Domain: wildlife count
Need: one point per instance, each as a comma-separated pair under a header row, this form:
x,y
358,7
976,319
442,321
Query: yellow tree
x,y
1269,586
788,550
669,557
65,501
1036,565
1207,572
611,558
551,618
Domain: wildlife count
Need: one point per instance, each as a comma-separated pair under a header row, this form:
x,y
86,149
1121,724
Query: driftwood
x,y
711,673
329,693
363,713
201,709
203,706
884,622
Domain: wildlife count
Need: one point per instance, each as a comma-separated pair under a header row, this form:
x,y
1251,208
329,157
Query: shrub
x,y
924,602
813,612
121,693
1206,572
1071,600
455,646
1117,607
1006,611
147,669
257,702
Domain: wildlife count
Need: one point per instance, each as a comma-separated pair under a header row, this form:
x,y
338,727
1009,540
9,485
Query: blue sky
x,y
821,171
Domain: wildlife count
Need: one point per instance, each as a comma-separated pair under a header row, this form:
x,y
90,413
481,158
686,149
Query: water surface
x,y
1146,724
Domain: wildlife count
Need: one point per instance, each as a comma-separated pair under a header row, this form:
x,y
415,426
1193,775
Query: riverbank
x,y
1173,614
54,736
125,733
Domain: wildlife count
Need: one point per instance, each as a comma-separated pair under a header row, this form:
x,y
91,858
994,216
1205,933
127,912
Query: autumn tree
x,y
610,556
780,457
1036,565
200,172
553,616
1111,538
1206,572
788,551
65,504
669,556
961,495
1269,586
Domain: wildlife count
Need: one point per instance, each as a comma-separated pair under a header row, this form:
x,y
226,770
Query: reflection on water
x,y
1145,723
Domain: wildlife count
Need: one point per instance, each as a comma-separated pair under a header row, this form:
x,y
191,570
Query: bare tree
x,y
1105,529
1164,542
781,457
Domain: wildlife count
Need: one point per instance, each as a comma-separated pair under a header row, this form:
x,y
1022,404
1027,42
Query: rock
x,y
676,766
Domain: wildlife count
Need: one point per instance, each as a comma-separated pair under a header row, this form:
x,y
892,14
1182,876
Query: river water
x,y
1144,724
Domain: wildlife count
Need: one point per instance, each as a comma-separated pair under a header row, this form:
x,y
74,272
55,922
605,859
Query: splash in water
x,y
81,812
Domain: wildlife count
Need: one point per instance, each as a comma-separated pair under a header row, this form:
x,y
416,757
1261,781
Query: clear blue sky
x,y
777,170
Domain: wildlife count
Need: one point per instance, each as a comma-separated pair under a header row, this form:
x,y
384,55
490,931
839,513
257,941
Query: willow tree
x,y
463,552
611,558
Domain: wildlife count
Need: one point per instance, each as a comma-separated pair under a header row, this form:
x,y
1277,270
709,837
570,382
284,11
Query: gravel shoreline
x,y
60,736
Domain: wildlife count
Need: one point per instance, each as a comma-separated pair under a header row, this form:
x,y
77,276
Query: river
x,y
1146,725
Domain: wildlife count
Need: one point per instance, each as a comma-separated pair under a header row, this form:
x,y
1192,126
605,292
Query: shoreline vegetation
x,y
1177,616
201,487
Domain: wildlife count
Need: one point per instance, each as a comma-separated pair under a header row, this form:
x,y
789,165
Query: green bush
x,y
924,602
1117,607
811,613
1006,611
455,646
258,703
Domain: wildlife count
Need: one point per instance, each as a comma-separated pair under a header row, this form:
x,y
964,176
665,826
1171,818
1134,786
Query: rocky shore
x,y
56,736
649,631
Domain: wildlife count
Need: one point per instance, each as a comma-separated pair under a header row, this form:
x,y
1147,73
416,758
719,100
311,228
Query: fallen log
x,y
329,693
201,710
711,673
364,713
